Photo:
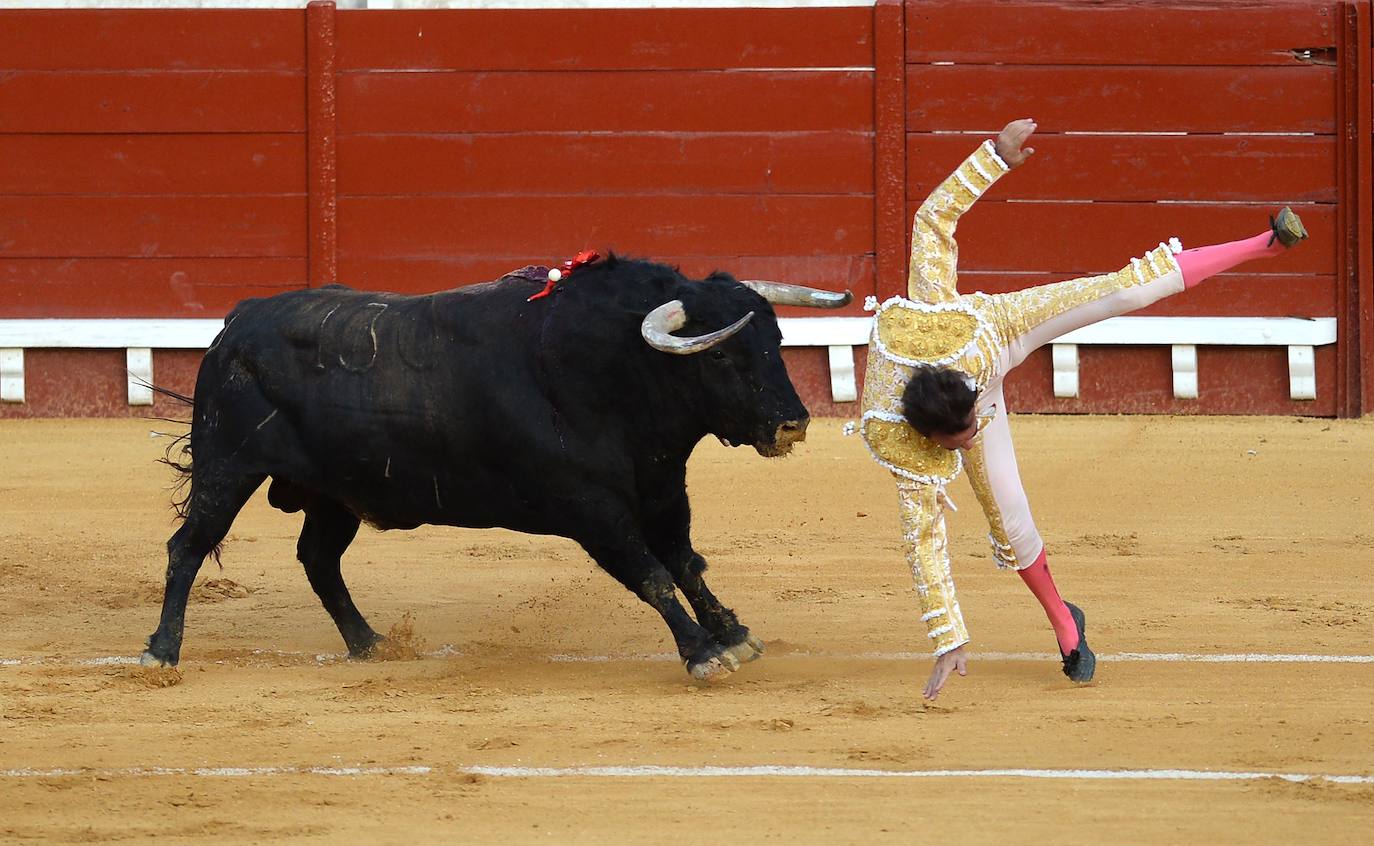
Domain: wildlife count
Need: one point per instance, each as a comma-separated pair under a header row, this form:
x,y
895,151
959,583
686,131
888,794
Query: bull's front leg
x,y
635,567
670,540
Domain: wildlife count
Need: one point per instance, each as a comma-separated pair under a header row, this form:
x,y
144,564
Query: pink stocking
x,y
1037,578
1206,262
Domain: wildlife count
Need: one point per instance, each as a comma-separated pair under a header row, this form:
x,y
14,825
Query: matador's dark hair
x,y
938,399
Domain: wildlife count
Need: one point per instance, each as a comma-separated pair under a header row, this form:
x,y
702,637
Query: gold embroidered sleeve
x,y
932,276
1034,316
927,548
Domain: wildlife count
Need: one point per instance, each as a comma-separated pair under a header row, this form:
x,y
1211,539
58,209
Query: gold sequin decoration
x,y
976,460
1020,311
927,550
932,276
924,335
900,445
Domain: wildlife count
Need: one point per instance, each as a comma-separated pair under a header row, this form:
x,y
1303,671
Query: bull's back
x,y
374,398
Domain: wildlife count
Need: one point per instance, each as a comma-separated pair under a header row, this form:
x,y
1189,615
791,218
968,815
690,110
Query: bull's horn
x,y
778,293
671,316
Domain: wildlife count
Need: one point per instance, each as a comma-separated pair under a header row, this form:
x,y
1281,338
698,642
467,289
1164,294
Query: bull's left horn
x,y
778,293
671,316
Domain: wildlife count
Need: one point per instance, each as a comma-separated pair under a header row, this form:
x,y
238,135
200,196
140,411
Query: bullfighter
x,y
933,400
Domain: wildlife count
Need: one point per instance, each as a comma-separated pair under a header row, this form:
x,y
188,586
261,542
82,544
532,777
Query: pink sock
x,y
1037,578
1206,262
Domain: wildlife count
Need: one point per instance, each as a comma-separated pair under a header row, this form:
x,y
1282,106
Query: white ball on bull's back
x,y
555,274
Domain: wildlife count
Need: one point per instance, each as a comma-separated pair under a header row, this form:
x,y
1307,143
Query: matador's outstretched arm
x,y
933,273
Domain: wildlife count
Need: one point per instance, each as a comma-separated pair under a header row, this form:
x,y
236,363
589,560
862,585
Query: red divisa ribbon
x,y
556,275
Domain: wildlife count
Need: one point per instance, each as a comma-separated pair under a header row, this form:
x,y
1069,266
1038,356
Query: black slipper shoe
x,y
1081,662
1287,228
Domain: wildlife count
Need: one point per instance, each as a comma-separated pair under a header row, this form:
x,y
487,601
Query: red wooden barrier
x,y
168,163
1156,119
151,163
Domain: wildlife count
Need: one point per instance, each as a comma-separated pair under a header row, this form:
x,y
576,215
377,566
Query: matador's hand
x,y
955,659
1010,139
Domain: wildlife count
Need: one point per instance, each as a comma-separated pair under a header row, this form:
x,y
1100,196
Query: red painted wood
x,y
1124,33
1278,169
1114,99
629,162
1364,136
891,175
151,164
140,287
628,101
605,39
94,383
438,227
1139,380
809,370
1241,294
162,39
321,94
132,227
152,101
1354,212
1087,238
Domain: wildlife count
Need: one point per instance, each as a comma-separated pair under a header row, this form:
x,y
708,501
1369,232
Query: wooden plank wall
x,y
739,139
156,163
1156,119
151,162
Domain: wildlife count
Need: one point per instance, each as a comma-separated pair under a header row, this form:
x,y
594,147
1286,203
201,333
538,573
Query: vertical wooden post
x,y
321,156
1354,214
889,147
1364,256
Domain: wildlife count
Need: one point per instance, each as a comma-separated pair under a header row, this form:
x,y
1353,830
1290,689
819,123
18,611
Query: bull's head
x,y
753,400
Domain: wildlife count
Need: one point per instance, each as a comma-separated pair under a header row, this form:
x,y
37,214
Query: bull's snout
x,y
789,433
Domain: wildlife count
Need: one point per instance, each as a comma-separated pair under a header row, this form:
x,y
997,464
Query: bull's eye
x,y
718,355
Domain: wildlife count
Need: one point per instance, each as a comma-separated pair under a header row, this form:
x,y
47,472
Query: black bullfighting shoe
x,y
1081,662
1287,227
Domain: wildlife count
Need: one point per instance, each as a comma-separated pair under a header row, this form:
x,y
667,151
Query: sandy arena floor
x,y
1179,537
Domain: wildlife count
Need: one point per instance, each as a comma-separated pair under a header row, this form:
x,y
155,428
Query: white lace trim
x,y
931,615
963,180
992,151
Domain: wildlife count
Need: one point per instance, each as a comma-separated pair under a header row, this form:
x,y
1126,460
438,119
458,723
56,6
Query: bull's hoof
x,y
749,649
150,660
716,667
368,650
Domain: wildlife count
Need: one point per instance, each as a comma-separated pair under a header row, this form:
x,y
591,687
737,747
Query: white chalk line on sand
x,y
448,650
652,772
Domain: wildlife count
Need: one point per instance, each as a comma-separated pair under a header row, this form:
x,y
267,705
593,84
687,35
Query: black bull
x,y
572,415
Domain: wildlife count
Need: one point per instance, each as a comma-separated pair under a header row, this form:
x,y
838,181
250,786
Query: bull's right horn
x,y
779,293
660,323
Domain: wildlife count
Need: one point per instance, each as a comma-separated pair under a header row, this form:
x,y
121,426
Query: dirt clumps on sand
x,y
149,677
401,643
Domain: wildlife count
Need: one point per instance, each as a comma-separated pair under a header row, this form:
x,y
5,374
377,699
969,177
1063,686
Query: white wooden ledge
x,y
137,337
1182,334
838,334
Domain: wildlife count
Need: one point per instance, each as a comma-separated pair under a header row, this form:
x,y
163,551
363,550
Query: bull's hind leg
x,y
641,572
329,529
215,501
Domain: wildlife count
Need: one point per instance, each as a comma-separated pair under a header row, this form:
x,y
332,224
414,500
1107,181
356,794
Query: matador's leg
x,y
1016,543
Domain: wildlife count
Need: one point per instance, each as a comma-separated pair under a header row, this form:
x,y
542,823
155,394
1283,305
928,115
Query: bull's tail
x,y
178,453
